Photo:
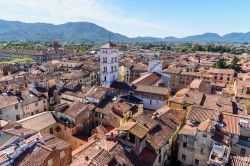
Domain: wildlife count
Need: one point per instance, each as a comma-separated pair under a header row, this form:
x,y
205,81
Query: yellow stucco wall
x,y
175,105
122,73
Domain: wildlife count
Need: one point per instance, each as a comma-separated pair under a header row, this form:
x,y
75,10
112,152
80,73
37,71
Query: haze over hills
x,y
82,31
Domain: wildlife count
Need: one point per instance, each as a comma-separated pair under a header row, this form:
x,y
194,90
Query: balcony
x,y
219,155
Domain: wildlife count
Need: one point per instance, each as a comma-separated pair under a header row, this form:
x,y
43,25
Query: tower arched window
x,y
105,78
104,59
104,69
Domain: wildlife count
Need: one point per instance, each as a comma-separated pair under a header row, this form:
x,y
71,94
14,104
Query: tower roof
x,y
108,45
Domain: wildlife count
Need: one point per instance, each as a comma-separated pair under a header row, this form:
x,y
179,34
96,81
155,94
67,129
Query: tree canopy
x,y
221,64
17,60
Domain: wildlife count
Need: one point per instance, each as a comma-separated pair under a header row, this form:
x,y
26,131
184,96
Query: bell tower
x,y
108,64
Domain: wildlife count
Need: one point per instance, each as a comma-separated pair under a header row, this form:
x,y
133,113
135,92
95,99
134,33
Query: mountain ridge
x,y
87,31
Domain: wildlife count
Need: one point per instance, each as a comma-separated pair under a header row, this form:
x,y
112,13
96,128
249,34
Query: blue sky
x,y
159,18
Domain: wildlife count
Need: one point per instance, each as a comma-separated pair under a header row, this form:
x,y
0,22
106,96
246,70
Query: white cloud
x,y
96,11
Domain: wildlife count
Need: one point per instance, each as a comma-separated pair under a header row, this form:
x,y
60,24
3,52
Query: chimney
x,y
220,117
18,126
53,148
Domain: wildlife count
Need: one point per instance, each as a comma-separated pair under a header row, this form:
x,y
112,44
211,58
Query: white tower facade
x,y
155,66
108,64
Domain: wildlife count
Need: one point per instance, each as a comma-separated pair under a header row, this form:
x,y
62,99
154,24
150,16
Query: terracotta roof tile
x,y
76,108
232,123
153,89
37,156
102,159
8,101
108,45
236,160
147,79
221,71
139,130
39,121
198,113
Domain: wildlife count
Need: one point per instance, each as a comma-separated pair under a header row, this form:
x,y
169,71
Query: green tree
x,y
197,47
168,48
234,64
221,64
